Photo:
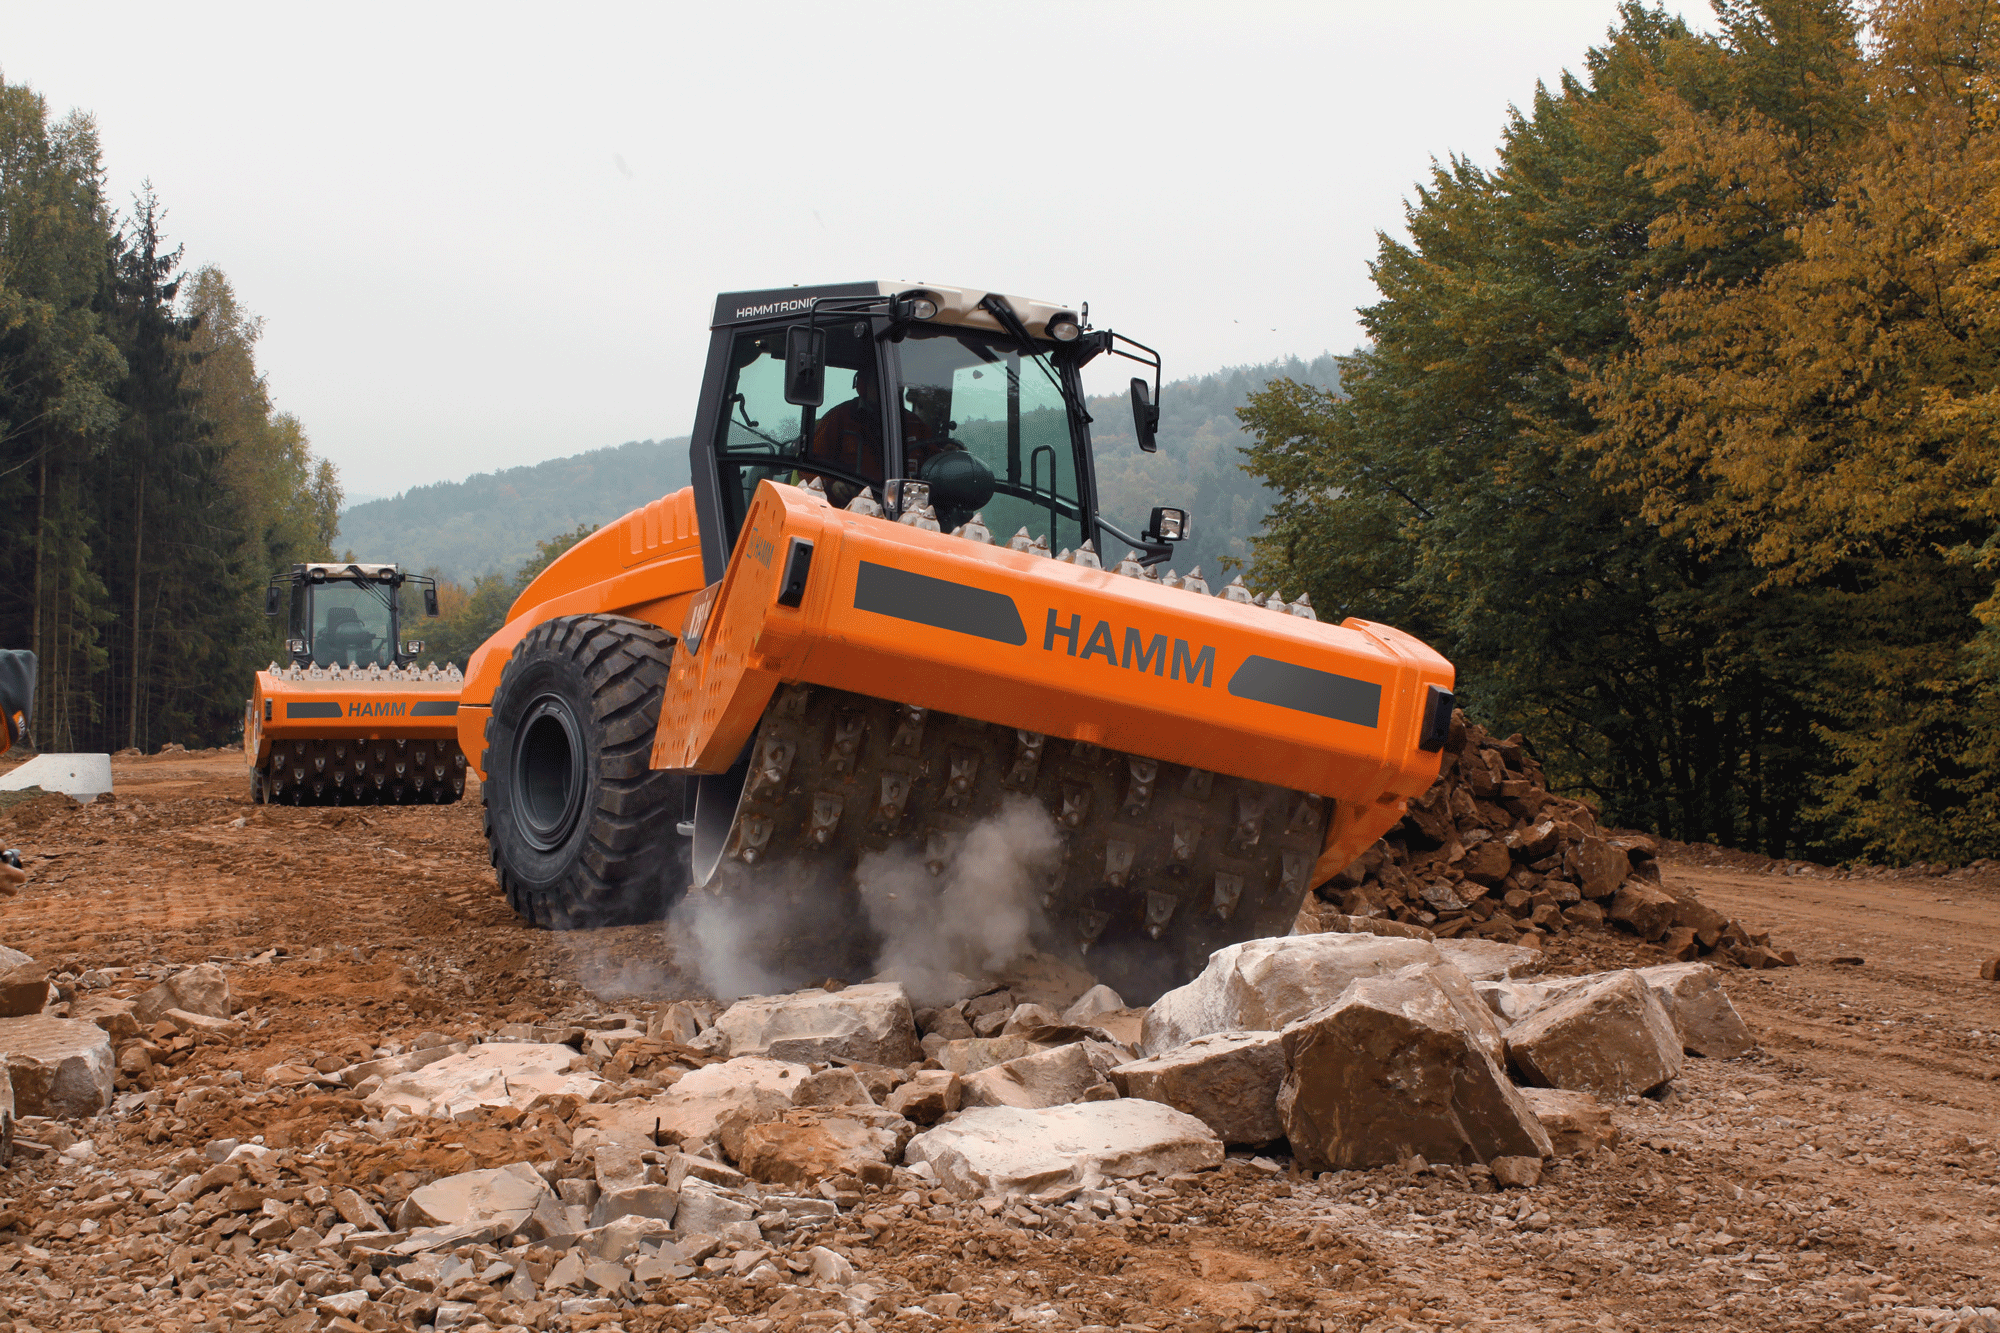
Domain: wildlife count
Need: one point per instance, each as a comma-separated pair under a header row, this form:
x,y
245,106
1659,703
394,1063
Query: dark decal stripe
x,y
313,710
434,709
939,603
1288,685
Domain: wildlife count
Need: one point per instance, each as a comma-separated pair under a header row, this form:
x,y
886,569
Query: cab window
x,y
1003,412
351,626
761,436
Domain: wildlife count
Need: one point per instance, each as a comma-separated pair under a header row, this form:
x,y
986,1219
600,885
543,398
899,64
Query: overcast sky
x,y
486,235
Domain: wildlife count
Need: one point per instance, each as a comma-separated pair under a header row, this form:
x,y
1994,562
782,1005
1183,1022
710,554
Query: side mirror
x,y
1145,416
805,366
1167,525
430,601
273,600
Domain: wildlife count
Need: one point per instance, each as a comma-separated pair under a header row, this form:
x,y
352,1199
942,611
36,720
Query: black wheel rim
x,y
548,773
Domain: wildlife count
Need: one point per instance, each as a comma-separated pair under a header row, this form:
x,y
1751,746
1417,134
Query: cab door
x,y
748,433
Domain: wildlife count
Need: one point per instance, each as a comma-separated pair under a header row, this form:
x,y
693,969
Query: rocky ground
x,y
1845,1176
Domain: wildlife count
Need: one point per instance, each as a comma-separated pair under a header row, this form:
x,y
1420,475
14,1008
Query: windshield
x,y
991,434
351,626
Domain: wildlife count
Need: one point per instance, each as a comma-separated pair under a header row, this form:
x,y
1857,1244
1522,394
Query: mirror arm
x,y
1151,553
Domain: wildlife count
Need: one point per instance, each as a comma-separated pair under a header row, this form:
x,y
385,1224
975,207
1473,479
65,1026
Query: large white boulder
x,y
59,1066
808,1144
1693,997
1401,1066
1261,985
1003,1149
1227,1080
1053,1077
1609,1037
1489,960
501,1073
84,777
871,1022
714,1105
505,1197
24,984
200,990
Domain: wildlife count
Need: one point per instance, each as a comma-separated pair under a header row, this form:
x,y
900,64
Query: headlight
x,y
923,308
1063,327
296,647
413,647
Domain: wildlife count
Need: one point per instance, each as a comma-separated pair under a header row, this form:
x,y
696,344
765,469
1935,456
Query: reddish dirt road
x,y
1845,1178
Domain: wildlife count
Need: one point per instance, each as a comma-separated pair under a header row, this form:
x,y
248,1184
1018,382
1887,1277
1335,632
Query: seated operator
x,y
849,437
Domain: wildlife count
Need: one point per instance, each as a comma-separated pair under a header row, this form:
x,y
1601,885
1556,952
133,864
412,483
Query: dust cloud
x,y
928,917
969,908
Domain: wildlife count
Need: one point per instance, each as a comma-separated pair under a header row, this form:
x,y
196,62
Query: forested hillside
x,y
491,522
1199,466
1677,431
147,483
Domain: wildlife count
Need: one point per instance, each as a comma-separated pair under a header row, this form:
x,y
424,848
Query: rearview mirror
x,y
805,366
1145,416
273,599
430,601
1167,525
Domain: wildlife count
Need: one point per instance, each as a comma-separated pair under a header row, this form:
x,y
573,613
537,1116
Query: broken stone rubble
x,y
1263,984
1490,853
871,1022
1608,1036
495,1074
58,1066
1400,1066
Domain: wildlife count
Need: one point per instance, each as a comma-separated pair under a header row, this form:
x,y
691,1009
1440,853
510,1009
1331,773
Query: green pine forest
x,y
1676,430
147,482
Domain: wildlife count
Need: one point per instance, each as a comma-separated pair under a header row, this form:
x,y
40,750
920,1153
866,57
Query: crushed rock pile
x,y
584,1170
1489,853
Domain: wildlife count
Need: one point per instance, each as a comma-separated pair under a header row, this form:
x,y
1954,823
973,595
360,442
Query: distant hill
x,y
489,523
1199,464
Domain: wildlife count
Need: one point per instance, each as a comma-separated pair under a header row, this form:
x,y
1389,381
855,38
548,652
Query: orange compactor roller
x,y
879,615
350,718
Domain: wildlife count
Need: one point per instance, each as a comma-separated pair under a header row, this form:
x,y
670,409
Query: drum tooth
x,y
1187,837
964,769
767,774
1228,892
826,812
1306,816
1027,760
1090,924
1249,829
1296,870
791,704
1139,793
895,791
848,726
909,737
1159,911
1118,857
937,850
1197,784
1075,804
752,833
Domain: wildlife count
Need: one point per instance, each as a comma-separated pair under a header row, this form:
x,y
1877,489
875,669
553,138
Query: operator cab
x,y
346,615
863,386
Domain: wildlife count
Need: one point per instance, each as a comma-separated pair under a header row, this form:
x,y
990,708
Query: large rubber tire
x,y
580,829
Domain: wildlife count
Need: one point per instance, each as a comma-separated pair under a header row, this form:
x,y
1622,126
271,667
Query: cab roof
x,y
349,570
956,305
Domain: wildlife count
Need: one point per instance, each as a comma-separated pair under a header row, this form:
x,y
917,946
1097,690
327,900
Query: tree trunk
x,y
138,538
35,623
